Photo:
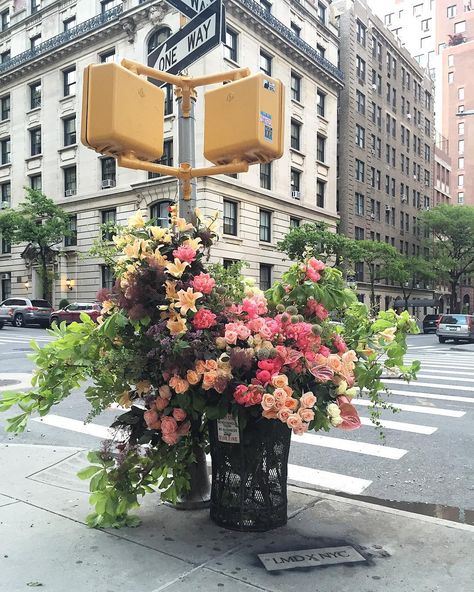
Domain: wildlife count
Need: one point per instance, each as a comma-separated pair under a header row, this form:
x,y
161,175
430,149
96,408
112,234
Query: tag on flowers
x,y
228,430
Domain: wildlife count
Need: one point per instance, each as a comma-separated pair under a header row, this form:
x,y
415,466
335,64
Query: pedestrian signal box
x,y
122,113
243,120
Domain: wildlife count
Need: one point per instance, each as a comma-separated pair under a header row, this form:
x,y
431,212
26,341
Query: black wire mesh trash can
x,y
249,478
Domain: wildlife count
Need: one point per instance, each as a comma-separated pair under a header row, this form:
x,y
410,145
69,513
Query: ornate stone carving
x,y
157,13
130,28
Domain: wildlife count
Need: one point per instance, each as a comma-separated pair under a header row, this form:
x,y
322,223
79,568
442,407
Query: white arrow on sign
x,y
190,8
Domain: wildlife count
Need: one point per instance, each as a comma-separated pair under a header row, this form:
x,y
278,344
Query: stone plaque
x,y
310,558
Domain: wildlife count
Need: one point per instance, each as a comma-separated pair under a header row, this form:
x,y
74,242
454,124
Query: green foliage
x,y
230,281
63,303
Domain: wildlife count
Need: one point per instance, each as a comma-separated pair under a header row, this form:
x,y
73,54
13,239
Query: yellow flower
x,y
161,259
136,221
137,249
389,334
171,293
143,387
182,225
176,325
125,400
194,243
107,306
157,232
177,268
187,300
198,215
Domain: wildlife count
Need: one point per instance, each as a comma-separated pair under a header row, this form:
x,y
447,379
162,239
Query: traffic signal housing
x,y
243,120
122,113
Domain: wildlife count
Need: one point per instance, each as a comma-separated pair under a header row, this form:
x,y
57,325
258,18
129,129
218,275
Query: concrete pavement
x,y
44,542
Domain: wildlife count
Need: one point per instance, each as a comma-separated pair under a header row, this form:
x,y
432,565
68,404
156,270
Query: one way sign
x,y
190,43
190,8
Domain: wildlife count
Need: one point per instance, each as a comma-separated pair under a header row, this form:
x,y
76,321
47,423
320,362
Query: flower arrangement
x,y
175,352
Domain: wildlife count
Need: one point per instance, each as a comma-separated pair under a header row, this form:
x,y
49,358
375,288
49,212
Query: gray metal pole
x,y
187,153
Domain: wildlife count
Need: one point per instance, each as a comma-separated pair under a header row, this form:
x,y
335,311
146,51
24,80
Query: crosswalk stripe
x,y
415,408
432,396
74,425
23,340
433,385
350,446
400,426
326,480
445,371
436,377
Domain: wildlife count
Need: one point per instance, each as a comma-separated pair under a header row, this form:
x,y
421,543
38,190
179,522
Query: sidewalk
x,y
44,543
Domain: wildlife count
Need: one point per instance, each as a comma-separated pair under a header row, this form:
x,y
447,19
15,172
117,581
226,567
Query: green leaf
x,y
88,472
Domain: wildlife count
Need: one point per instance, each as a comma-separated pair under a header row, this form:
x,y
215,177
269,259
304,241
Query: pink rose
x,y
270,414
185,253
263,376
231,337
179,414
204,319
284,414
306,414
308,400
150,417
280,395
168,425
325,351
268,401
184,428
165,392
161,403
294,421
203,283
171,439
312,274
242,395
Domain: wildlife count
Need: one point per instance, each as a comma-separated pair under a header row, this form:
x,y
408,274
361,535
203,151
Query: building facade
x,y
44,48
386,146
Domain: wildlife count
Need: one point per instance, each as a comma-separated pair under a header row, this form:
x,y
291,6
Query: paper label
x,y
228,430
269,85
266,118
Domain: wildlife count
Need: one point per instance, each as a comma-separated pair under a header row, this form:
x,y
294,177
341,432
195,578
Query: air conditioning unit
x,y
70,192
372,216
107,183
295,194
408,116
374,86
415,177
388,209
427,183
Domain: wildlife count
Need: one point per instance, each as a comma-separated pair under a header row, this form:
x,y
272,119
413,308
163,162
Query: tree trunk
x,y
453,299
372,295
44,274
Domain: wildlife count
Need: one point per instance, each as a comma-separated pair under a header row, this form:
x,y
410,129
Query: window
x,y
359,271
450,61
5,56
460,197
109,219
160,214
266,175
35,95
320,193
450,77
321,103
460,180
294,222
460,27
69,81
71,239
461,128
230,217
166,158
35,6
6,193
460,108
227,263
108,279
35,41
69,23
230,45
358,233
320,148
6,247
69,128
4,20
5,108
295,87
265,63
461,146
265,276
360,170
360,69
109,4
426,24
361,33
35,182
359,204
295,135
320,50
451,11
461,162
70,181
265,226
295,183
35,141
107,56
360,102
321,13
295,28
6,286
108,168
461,93
360,136
267,6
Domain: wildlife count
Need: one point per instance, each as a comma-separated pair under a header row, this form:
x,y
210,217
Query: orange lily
x,y
177,268
176,325
187,300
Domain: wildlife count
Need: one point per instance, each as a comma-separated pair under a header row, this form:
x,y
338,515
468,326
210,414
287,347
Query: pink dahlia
x,y
204,319
203,283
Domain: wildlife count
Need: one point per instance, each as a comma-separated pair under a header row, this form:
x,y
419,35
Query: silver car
x,y
456,327
21,312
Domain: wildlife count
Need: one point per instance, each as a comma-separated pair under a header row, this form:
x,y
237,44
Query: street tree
x,y
40,223
407,272
451,243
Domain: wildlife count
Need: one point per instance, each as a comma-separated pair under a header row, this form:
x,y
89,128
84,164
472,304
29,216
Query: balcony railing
x,y
288,34
74,33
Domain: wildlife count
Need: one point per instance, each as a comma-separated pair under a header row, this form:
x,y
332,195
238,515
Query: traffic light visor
x,y
122,113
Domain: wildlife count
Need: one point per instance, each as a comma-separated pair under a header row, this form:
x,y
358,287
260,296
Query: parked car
x,y
456,327
430,323
72,312
21,312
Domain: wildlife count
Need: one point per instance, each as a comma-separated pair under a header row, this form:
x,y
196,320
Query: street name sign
x,y
201,34
310,558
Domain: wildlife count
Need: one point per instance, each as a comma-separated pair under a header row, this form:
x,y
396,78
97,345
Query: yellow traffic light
x,y
244,120
122,113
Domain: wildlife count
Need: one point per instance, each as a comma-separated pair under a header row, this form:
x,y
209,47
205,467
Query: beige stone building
x,y
44,48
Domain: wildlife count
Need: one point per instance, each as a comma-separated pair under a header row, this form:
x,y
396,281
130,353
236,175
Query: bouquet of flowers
x,y
179,344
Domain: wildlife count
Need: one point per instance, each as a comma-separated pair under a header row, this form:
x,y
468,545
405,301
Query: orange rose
x,y
280,395
200,367
294,421
270,414
306,414
211,365
192,377
280,381
179,385
291,403
209,380
165,392
284,414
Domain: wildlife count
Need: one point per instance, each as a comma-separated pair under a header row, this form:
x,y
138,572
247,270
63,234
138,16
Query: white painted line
x,y
74,425
350,446
432,396
326,480
24,380
401,426
432,347
456,378
432,385
471,373
414,408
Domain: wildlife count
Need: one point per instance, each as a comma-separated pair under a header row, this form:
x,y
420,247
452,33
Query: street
x,y
427,455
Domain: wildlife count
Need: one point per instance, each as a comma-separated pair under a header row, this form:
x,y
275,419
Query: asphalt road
x,y
427,455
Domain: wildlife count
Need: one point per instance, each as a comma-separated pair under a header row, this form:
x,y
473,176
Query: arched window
x,y
155,40
159,214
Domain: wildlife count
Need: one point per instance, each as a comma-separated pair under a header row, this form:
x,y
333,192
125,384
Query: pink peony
x,y
308,400
203,283
230,337
204,319
242,395
263,376
185,253
179,414
339,344
312,274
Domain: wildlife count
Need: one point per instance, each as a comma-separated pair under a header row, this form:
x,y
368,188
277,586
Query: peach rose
x,y
150,417
291,404
280,381
270,414
200,367
184,428
284,414
192,377
349,356
279,404
335,363
294,421
268,401
171,439
280,395
160,403
165,392
306,414
179,414
221,343
168,425
308,400
179,385
209,379
211,365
